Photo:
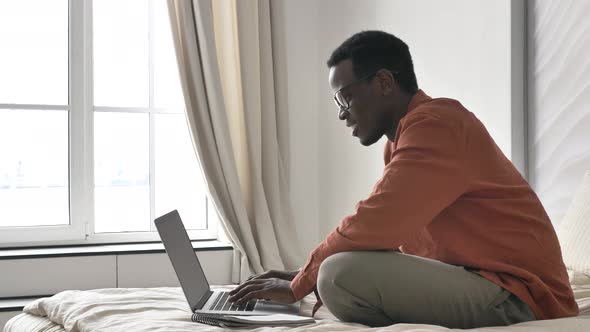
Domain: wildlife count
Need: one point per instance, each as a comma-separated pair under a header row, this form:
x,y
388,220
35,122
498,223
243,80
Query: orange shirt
x,y
449,193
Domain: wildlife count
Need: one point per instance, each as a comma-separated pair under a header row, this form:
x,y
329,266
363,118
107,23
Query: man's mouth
x,y
355,130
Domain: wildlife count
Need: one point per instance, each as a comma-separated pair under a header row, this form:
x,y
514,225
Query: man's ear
x,y
386,81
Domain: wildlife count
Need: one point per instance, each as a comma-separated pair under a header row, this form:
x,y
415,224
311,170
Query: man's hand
x,y
273,289
285,275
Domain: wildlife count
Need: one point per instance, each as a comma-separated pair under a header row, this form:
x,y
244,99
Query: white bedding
x,y
165,309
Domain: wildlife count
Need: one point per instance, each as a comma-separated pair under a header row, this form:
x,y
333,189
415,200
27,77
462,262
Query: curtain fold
x,y
224,53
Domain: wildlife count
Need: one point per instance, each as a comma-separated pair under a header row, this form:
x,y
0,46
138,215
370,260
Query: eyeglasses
x,y
341,102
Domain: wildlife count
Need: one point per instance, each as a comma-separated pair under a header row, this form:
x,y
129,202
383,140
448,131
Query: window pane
x,y
121,168
34,56
167,89
178,178
33,168
121,53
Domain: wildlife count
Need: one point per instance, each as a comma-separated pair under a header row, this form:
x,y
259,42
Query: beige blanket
x,y
165,309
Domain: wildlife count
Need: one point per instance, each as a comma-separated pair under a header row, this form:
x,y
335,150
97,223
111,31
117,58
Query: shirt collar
x,y
419,98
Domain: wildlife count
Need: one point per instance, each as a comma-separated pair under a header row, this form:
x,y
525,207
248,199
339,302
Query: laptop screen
x,y
184,260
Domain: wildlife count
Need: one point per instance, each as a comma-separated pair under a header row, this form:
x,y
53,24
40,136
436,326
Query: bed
x,y
165,309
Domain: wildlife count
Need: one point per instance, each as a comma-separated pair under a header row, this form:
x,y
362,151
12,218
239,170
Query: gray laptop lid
x,y
184,260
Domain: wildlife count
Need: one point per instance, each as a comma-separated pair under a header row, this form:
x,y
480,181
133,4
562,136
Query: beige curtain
x,y
224,55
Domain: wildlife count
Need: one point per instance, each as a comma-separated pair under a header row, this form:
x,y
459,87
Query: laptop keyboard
x,y
221,303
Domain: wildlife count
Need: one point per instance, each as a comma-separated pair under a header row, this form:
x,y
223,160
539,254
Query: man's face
x,y
365,116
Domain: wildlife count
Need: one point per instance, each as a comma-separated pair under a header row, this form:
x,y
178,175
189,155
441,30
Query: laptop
x,y
195,286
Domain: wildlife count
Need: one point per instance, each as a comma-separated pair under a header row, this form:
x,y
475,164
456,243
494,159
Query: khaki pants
x,y
379,288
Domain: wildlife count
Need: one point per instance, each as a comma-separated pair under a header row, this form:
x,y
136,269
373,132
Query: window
x,y
94,142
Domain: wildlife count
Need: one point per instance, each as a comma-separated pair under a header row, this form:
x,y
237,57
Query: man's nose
x,y
343,114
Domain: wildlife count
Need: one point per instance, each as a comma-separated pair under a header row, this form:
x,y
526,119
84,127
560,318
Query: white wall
x,y
50,275
461,49
559,100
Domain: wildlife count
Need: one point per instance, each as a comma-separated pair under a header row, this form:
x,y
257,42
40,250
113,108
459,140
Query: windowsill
x,y
17,303
104,249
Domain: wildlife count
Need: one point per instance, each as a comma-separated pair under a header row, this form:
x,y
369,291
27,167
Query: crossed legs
x,y
379,288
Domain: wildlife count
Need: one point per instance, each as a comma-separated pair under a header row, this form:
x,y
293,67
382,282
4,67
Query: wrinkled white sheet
x,y
165,309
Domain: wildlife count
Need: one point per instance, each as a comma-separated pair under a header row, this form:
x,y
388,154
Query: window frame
x,y
81,110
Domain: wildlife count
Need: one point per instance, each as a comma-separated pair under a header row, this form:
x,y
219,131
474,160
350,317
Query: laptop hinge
x,y
203,300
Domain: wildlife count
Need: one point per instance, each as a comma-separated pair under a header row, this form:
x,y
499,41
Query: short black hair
x,y
370,51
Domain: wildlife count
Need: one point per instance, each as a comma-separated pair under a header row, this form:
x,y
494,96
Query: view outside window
x,y
34,140
33,168
121,172
144,164
179,181
138,117
34,66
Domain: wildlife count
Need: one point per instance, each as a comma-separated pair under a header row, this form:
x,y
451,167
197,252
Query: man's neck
x,y
400,110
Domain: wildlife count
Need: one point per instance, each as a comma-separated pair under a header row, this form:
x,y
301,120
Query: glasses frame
x,y
343,108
